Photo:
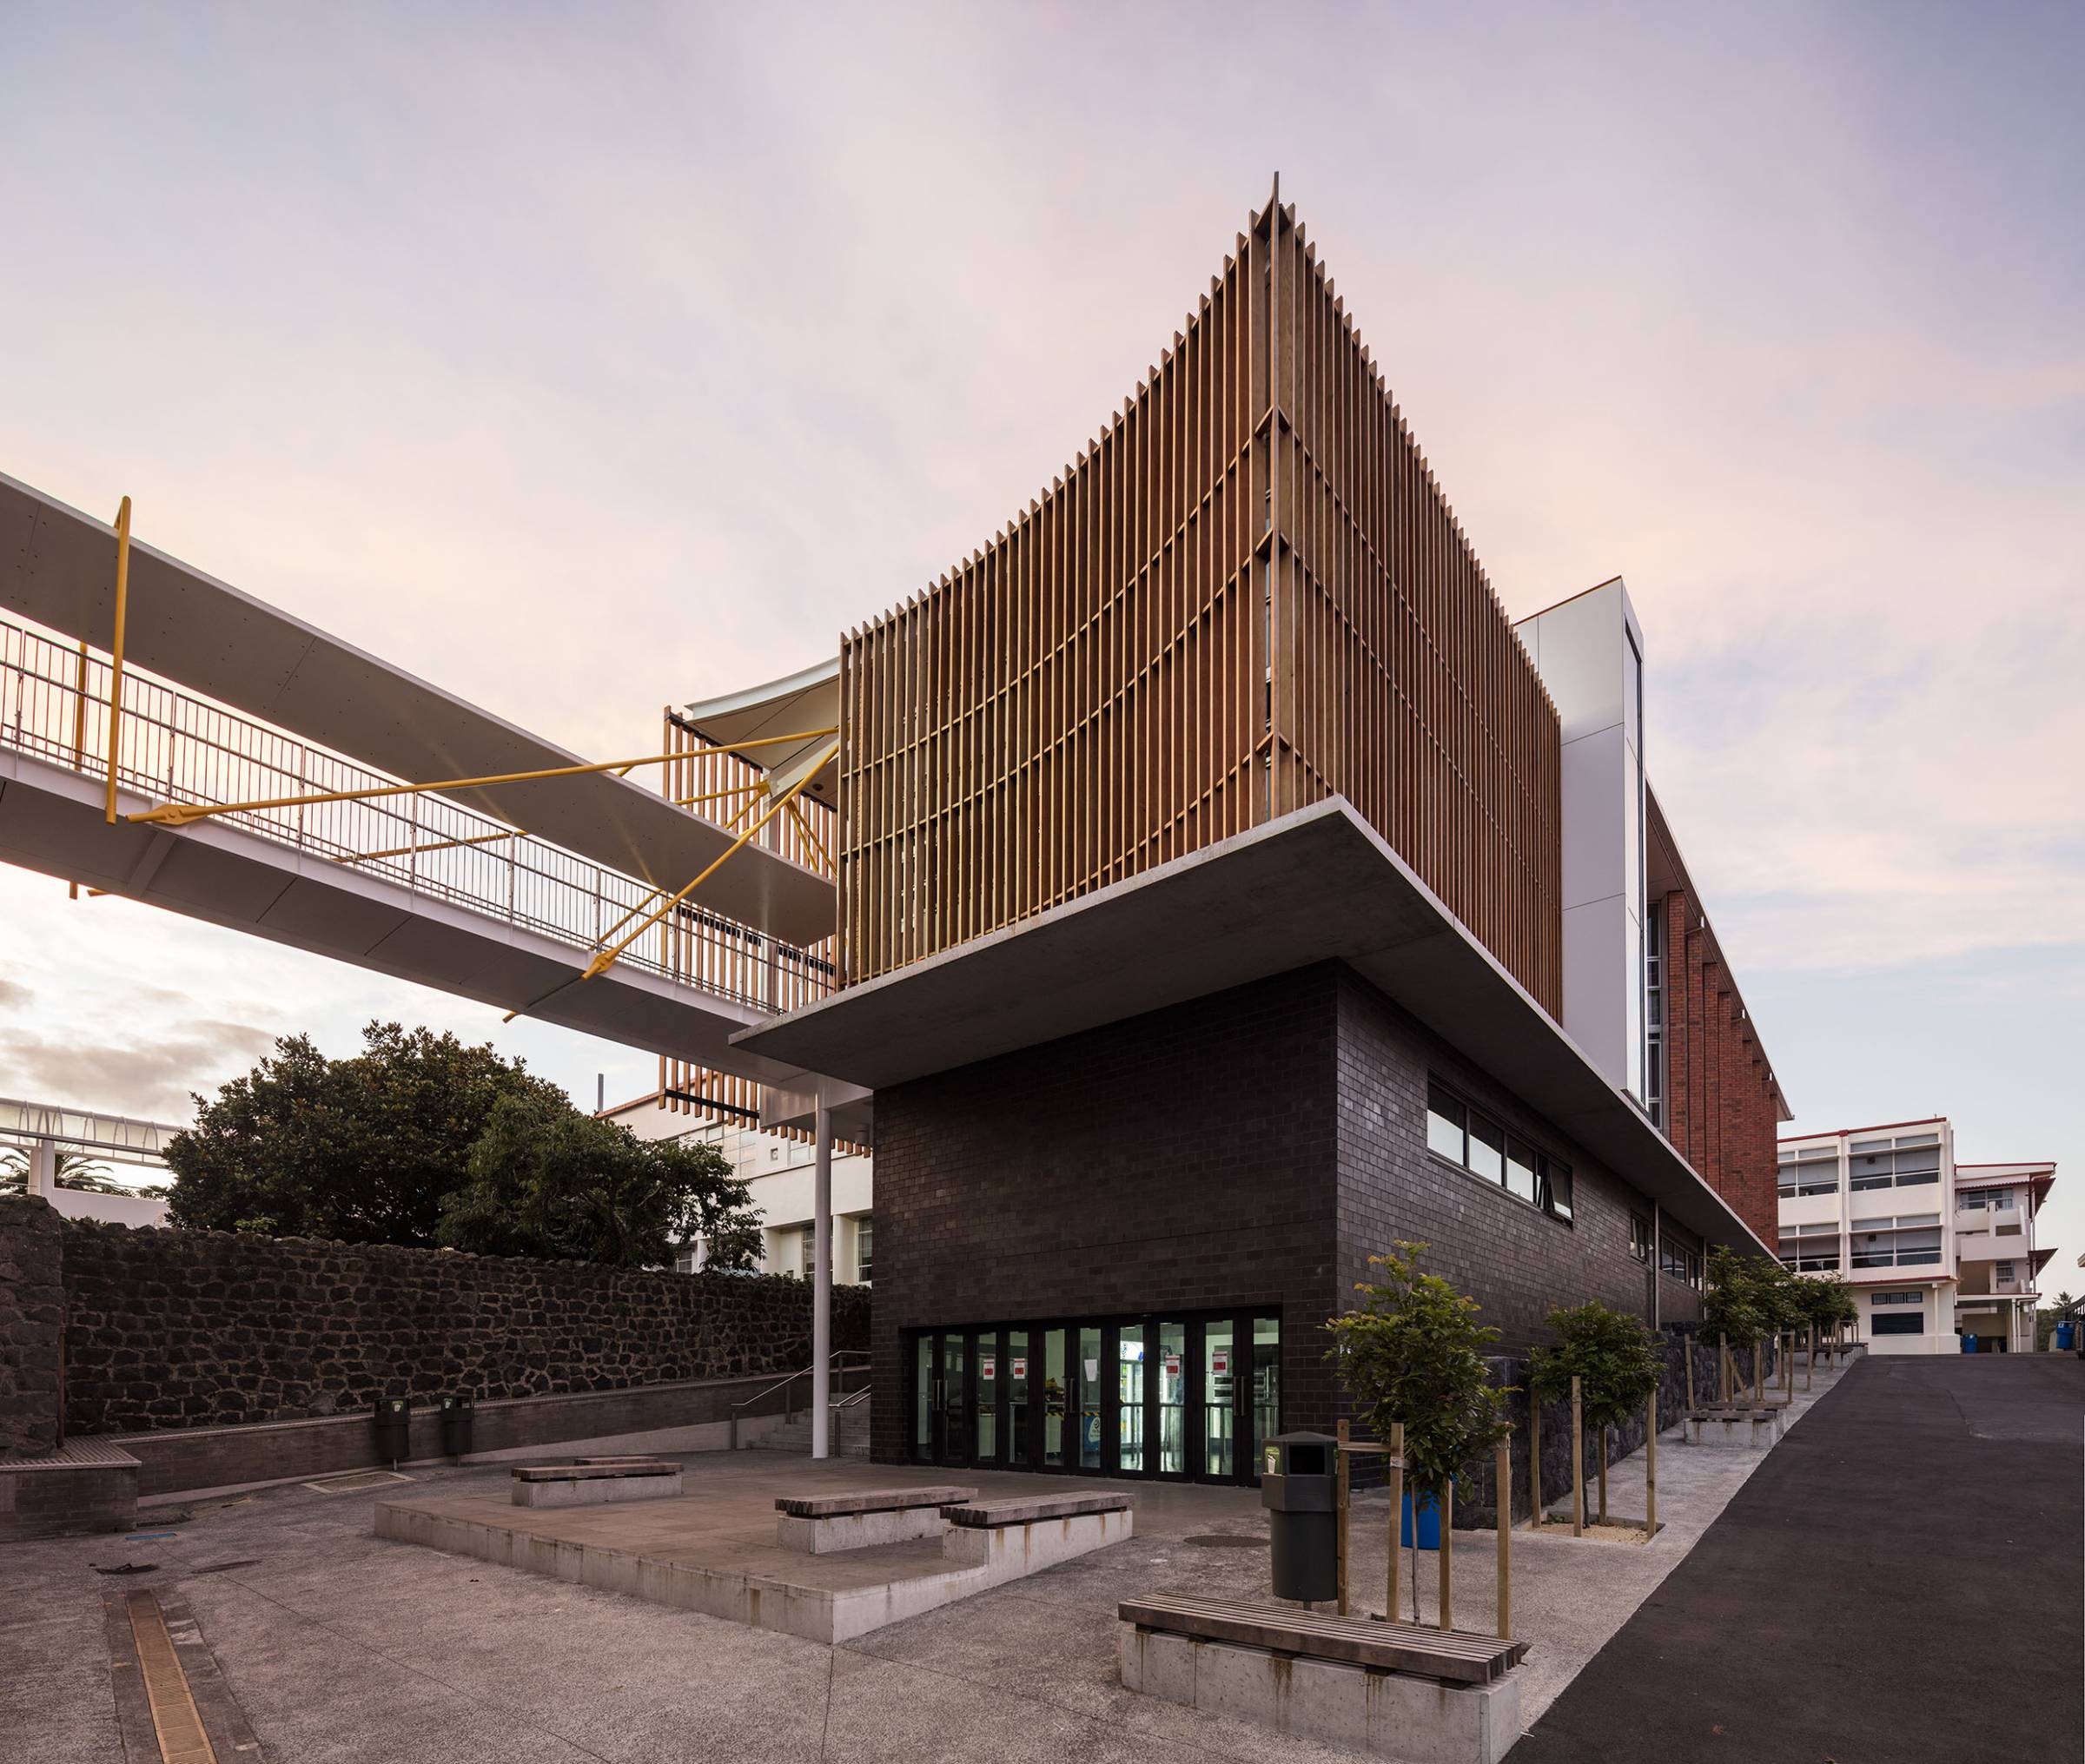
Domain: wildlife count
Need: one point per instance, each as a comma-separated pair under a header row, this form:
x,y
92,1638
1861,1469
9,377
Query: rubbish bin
x,y
2067,1336
394,1428
1298,1487
1968,1343
455,1425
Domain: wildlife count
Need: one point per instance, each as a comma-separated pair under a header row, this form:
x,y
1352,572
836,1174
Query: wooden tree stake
x,y
1578,1460
1448,1554
1534,1462
1651,1470
1344,1487
1759,1371
1601,1470
1503,1487
1687,1349
1809,1360
1397,1504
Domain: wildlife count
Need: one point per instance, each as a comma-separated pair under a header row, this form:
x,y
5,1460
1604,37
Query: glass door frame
x,y
960,1451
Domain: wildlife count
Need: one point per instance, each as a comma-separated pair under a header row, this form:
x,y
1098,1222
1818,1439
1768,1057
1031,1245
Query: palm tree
x,y
76,1170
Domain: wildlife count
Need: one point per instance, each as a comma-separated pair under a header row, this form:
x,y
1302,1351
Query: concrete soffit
x,y
1313,886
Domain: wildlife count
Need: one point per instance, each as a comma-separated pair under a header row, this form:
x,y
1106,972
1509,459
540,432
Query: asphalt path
x,y
1903,1580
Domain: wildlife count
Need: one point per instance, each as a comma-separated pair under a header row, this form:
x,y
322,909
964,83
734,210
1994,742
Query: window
x,y
1523,1165
1913,1298
1654,1013
1813,1171
1910,1160
1909,1323
1445,1118
1811,1248
2005,1271
1677,1262
1975,1200
864,1247
1471,1137
1488,1148
1639,1238
807,1249
1910,1240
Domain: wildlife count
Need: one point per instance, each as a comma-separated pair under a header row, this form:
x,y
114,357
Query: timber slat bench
x,y
820,1524
593,1482
1016,1537
1393,1689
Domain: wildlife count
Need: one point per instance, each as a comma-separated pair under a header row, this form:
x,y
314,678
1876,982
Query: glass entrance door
x,y
1190,1396
952,1443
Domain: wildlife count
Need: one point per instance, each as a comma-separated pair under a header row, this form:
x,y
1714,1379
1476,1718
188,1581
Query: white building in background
x,y
51,1147
777,1171
1935,1251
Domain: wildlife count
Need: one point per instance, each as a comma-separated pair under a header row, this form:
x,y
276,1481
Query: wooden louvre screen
x,y
1247,594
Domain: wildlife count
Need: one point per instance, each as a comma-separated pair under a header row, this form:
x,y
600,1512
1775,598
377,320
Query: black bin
x,y
1298,1488
455,1425
394,1428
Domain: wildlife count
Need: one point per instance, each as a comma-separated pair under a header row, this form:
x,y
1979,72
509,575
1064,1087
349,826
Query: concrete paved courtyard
x,y
338,1645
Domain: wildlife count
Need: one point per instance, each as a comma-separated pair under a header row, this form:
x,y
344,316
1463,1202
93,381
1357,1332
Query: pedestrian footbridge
x,y
289,771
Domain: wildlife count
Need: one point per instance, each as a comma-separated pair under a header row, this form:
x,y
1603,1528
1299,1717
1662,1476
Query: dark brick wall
x,y
1515,1260
1183,1159
32,1301
1254,1147
193,1329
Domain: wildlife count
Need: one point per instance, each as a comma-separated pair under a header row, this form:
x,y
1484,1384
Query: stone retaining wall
x,y
168,1328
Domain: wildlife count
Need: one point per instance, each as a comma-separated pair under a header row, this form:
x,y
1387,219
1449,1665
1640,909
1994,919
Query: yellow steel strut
x,y
181,814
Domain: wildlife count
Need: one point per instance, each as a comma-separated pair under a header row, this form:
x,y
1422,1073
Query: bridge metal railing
x,y
174,746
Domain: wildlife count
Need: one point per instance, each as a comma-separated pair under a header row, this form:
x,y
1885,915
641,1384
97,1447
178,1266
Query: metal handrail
x,y
789,1407
173,744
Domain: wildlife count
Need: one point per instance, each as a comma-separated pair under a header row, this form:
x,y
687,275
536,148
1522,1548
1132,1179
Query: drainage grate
x,y
359,1480
1226,1540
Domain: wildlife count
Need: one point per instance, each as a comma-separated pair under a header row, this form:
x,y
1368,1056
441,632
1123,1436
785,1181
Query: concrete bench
x,y
1016,1537
594,1482
1395,1690
1739,1425
820,1524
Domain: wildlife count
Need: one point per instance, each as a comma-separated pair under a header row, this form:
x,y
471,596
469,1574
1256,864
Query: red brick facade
x,y
1720,1091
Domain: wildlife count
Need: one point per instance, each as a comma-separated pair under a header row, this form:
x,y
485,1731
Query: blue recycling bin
x,y
2067,1336
1429,1522
1968,1343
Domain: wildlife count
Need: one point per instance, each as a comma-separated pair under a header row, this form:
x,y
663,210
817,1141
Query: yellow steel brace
x,y
606,959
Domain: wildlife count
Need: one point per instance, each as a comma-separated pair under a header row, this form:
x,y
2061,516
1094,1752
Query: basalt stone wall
x,y
32,1306
193,1329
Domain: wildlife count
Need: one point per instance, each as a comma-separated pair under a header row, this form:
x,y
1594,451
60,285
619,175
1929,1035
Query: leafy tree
x,y
1749,1298
1614,1357
363,1149
1413,1352
1827,1301
546,1181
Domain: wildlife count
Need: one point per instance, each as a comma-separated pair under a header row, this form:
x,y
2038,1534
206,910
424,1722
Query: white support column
x,y
43,1168
821,1299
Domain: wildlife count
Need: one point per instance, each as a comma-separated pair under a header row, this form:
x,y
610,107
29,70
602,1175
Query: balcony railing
x,y
174,746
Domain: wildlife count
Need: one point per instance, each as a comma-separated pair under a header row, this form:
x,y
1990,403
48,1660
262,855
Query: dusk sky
x,y
585,359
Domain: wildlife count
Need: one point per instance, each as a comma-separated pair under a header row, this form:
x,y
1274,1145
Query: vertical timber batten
x,y
1246,594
